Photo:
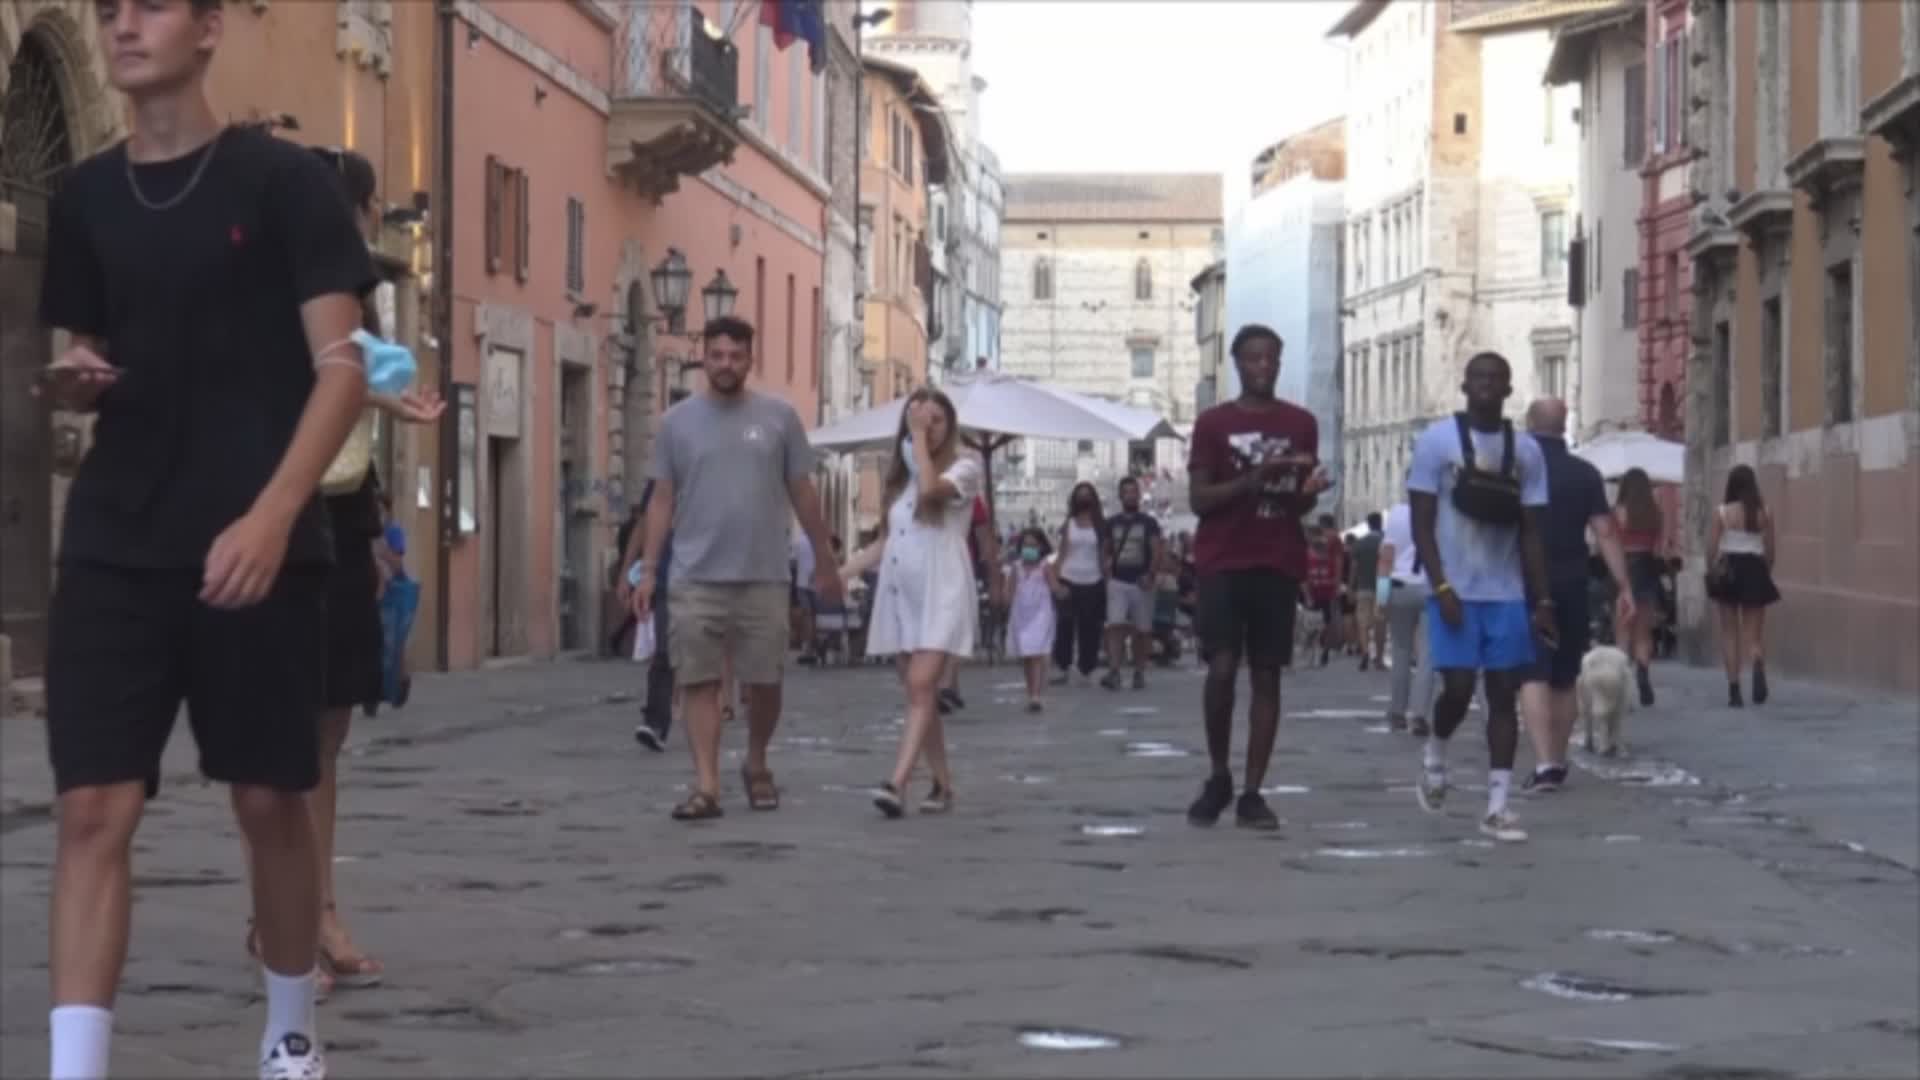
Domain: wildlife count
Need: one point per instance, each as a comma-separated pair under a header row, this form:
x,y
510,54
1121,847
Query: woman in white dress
x,y
925,606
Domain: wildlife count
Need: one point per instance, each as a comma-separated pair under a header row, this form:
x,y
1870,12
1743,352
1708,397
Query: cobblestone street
x,y
1738,897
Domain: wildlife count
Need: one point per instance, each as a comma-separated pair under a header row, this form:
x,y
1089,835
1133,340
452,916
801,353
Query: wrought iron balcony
x,y
676,100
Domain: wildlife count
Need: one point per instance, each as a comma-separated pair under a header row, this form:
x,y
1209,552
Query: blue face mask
x,y
1030,554
390,367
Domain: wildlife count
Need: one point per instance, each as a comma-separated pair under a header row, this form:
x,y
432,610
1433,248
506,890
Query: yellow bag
x,y
349,468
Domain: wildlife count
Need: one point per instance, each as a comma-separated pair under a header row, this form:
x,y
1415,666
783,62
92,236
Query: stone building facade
x,y
1094,277
1460,203
1602,54
1806,323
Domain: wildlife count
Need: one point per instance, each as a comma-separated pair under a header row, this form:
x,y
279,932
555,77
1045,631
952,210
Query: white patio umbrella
x,y
994,410
1616,452
1009,408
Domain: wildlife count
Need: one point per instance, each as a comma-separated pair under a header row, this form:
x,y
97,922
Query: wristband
x,y
1443,588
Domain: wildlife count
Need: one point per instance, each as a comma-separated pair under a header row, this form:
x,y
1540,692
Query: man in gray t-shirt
x,y
729,465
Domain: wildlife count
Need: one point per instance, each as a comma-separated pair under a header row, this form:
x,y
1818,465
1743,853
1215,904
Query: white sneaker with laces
x,y
1432,790
1503,826
294,1057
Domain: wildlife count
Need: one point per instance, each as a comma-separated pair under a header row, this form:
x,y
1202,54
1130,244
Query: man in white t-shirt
x,y
1406,607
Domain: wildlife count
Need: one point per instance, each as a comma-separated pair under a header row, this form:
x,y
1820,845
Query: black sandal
x,y
887,798
699,806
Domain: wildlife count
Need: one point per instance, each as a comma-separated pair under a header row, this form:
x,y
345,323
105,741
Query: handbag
x,y
1487,496
349,467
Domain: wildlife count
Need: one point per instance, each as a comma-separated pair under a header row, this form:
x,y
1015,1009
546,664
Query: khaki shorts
x,y
1366,607
709,623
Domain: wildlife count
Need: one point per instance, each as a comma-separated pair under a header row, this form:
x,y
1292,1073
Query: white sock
x,y
289,1008
82,1042
1499,782
1434,753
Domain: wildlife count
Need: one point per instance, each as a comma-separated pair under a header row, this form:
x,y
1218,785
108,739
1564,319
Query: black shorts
x,y
126,648
1559,667
1249,612
355,637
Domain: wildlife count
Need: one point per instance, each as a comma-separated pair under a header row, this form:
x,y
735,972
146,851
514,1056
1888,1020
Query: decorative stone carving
x,y
366,34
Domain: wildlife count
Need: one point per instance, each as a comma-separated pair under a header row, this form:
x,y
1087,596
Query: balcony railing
x,y
676,97
670,50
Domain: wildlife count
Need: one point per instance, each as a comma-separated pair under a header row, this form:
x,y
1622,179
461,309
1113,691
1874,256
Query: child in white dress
x,y
925,606
1031,582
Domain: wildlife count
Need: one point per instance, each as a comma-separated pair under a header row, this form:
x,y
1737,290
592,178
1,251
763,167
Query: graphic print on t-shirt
x,y
1251,449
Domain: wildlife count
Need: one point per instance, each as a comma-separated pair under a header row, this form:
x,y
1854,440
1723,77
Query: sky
x,y
1138,86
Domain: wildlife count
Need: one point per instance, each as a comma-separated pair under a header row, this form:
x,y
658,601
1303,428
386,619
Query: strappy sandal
x,y
322,978
353,968
699,806
939,800
886,798
762,793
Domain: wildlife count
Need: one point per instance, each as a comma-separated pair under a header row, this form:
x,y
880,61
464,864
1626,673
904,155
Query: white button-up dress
x,y
926,598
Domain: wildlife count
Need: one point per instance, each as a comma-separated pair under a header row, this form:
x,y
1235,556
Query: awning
x,y
1573,43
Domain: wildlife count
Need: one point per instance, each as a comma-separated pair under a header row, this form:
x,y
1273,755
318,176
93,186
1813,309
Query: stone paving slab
x,y
505,849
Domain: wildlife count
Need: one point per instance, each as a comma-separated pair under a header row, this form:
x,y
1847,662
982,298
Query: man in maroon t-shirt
x,y
1254,472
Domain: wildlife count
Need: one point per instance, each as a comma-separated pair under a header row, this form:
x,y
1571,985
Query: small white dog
x,y
1309,626
1606,676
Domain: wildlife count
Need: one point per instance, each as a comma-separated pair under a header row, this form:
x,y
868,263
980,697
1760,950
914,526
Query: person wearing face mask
x,y
1030,624
1082,585
926,603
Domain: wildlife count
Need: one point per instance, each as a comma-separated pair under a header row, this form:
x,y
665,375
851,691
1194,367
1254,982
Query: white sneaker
x,y
1503,826
294,1057
1431,790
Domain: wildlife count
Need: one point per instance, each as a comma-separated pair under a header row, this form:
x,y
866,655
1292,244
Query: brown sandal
x,y
762,793
699,806
351,968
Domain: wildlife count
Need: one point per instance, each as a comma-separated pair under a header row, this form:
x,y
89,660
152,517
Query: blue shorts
x,y
1493,635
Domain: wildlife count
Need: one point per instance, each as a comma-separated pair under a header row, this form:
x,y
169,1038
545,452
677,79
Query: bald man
x,y
1576,504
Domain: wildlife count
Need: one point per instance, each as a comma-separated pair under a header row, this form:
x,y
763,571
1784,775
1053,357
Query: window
x,y
820,156
1662,104
1142,362
1553,244
1677,89
1142,280
1629,298
1722,384
1042,280
814,340
576,247
1671,286
762,78
1770,349
1840,343
796,105
940,222
760,306
1546,134
1633,115
509,230
1551,376
908,146
792,319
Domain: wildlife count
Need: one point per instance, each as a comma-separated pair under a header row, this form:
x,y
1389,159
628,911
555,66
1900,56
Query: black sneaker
x,y
1733,696
1759,684
1213,800
1140,681
1545,781
649,738
1645,679
1417,727
1396,722
1252,812
951,702
1111,680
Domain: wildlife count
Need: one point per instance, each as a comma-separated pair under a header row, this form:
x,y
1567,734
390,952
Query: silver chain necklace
x,y
206,155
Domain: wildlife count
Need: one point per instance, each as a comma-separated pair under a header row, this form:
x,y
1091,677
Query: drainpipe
x,y
443,333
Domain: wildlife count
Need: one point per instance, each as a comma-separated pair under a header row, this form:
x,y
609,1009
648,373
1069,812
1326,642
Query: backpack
x,y
1487,496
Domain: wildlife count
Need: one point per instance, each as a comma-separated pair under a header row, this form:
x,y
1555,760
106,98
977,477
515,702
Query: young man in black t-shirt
x,y
210,280
1134,559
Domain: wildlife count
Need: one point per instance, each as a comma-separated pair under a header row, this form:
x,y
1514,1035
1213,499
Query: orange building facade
x,y
1806,322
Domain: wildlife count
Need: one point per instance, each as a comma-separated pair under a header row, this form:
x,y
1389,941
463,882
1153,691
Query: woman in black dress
x,y
1740,580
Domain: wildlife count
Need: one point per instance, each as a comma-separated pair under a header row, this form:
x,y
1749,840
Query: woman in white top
x,y
1740,579
1081,568
1406,606
925,606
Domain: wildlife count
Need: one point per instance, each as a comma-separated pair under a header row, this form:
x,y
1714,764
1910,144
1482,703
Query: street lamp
x,y
671,279
718,297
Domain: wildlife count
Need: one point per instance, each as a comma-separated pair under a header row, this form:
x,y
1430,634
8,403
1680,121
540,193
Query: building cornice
x,y
1895,115
1716,246
1763,215
1829,167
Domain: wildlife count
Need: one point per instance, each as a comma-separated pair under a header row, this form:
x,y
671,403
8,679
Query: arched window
x,y
1142,280
1042,279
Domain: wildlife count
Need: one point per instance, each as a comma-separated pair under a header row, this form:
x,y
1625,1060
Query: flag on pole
x,y
797,20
